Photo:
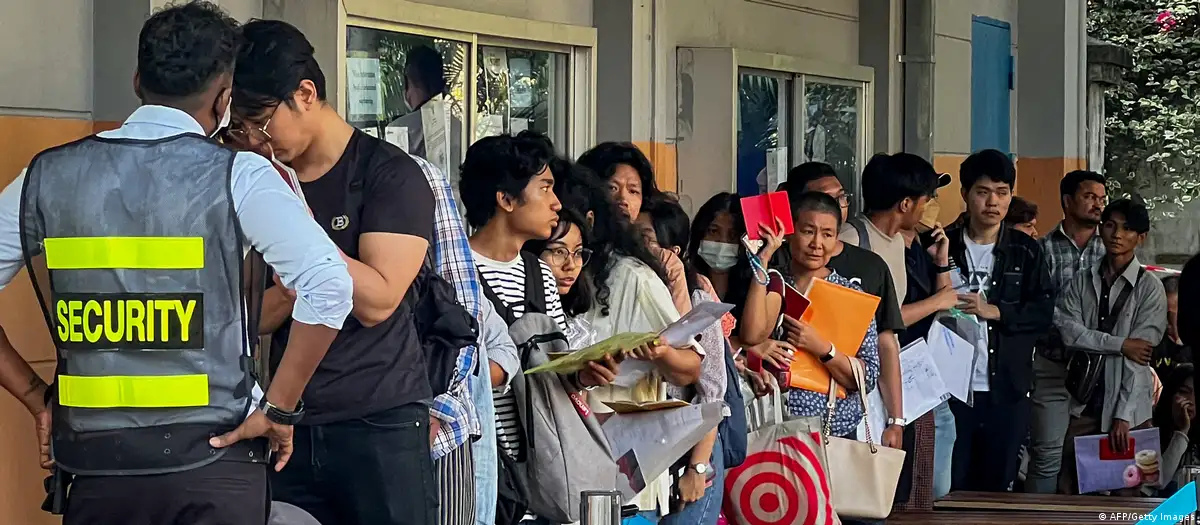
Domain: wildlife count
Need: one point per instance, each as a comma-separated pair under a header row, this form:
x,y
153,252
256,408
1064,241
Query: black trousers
x,y
222,493
375,470
988,442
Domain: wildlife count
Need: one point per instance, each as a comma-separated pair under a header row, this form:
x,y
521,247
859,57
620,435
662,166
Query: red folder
x,y
764,209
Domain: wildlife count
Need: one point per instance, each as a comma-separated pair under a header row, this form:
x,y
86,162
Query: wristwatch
x,y
898,421
829,357
280,416
701,468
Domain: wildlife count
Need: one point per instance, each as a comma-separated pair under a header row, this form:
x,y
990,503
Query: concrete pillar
x,y
625,82
880,43
115,30
323,22
1051,99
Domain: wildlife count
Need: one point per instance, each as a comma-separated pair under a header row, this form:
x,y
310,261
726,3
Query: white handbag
x,y
863,476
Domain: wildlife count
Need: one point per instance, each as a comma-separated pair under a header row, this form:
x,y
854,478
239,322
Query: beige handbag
x,y
863,475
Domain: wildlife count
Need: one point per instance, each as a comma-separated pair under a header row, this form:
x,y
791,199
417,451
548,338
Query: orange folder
x,y
842,316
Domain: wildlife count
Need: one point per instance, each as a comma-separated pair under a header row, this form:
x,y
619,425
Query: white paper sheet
x,y
955,359
656,439
397,136
362,88
682,333
924,388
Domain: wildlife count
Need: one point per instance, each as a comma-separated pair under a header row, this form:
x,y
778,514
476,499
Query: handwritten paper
x,y
954,357
922,389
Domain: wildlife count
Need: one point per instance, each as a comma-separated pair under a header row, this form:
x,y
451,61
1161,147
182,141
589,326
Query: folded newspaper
x,y
679,334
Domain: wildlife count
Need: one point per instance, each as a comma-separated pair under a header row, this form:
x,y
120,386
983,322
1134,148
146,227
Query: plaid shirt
x,y
453,260
1064,259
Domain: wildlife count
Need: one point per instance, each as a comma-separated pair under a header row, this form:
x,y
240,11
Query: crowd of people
x,y
402,310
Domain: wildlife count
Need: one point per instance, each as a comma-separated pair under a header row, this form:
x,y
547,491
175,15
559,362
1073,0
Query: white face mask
x,y
226,118
720,256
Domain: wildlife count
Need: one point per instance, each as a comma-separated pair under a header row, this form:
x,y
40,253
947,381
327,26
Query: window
x,y
762,136
833,128
492,85
378,91
519,89
831,119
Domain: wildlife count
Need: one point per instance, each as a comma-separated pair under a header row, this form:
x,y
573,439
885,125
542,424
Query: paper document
x,y
397,136
954,357
679,334
648,443
924,388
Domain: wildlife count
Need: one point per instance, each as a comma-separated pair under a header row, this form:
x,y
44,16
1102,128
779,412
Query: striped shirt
x,y
507,280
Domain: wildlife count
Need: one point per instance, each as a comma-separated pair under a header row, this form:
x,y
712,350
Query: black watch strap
x,y
280,416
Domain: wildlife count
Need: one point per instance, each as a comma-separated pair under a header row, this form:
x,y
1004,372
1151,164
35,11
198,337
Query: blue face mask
x,y
720,256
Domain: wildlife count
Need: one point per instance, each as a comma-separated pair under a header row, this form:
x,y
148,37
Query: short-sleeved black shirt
x,y
873,275
368,369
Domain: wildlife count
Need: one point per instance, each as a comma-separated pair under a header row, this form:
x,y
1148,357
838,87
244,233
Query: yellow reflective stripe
x,y
132,253
133,391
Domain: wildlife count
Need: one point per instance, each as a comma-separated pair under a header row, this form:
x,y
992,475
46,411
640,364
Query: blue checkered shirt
x,y
452,259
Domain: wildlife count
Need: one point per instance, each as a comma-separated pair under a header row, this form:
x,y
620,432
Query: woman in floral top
x,y
818,218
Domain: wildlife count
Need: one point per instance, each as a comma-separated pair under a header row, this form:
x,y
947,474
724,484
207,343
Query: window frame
x,y
477,29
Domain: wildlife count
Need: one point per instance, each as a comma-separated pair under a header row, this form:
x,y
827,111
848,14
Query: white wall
x,y
46,57
574,12
824,30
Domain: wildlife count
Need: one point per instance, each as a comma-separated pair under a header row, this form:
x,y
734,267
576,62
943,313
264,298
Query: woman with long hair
x,y
630,296
629,177
567,254
715,250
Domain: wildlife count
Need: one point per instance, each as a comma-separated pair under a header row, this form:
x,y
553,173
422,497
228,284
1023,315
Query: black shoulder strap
x,y
535,288
864,241
505,312
1108,320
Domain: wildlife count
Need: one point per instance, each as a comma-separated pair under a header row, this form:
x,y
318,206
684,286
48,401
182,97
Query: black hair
x,y
1171,284
502,163
1189,303
1137,218
742,273
889,179
989,163
1021,211
580,189
579,300
607,156
424,67
1163,415
819,202
1071,182
672,228
183,48
799,177
272,62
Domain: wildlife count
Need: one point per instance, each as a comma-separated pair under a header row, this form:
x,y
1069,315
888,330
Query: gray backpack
x,y
566,451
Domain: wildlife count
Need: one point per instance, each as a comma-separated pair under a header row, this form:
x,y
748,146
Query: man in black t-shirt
x,y
364,445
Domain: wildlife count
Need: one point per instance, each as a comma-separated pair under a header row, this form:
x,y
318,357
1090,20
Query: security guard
x,y
135,240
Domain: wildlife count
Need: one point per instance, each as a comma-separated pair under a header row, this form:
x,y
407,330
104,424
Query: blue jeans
x,y
484,448
943,449
705,510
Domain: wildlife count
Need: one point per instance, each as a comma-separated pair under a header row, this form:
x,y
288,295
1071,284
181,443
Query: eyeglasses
x,y
558,256
843,198
252,135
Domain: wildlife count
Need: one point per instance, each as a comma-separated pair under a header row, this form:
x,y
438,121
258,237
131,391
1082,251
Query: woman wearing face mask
x,y
716,252
630,179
